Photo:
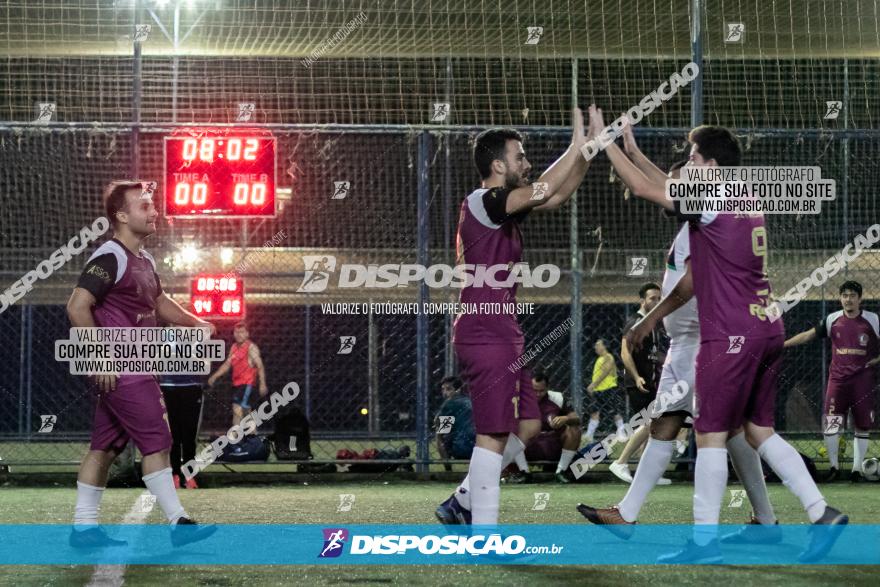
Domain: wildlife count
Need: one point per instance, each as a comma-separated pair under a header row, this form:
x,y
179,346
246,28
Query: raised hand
x,y
596,122
629,139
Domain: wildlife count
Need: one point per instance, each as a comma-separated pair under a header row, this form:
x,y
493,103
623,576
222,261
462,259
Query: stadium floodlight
x,y
187,256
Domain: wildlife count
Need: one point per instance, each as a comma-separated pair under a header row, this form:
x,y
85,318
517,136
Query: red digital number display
x,y
220,173
217,296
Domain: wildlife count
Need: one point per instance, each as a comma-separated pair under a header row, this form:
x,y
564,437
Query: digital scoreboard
x,y
221,173
217,296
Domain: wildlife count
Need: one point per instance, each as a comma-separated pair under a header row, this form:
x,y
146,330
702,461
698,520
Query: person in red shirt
x,y
247,369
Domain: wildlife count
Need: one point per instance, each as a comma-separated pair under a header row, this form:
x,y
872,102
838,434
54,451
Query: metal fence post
x,y
27,316
576,336
697,57
307,361
422,340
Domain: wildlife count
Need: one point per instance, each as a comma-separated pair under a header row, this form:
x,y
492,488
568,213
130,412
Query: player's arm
x,y
645,165
569,188
819,331
95,282
630,365
802,338
569,166
679,296
257,361
638,183
223,370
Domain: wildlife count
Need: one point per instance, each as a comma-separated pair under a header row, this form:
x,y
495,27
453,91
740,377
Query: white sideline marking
x,y
114,575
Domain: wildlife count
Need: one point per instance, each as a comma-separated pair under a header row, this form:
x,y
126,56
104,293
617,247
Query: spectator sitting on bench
x,y
454,422
560,432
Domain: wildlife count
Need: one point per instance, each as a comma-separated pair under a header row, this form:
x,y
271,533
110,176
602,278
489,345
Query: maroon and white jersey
x,y
854,342
488,236
729,265
553,404
125,286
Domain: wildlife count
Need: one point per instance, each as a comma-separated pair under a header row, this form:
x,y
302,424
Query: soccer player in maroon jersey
x,y
119,287
854,336
674,405
505,409
740,352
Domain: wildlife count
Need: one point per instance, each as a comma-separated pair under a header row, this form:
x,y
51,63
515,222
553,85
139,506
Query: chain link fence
x,y
372,396
363,117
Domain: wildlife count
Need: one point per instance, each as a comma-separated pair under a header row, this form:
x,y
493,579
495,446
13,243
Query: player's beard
x,y
514,180
147,230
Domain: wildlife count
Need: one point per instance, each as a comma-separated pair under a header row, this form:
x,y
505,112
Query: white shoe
x,y
621,472
664,481
621,436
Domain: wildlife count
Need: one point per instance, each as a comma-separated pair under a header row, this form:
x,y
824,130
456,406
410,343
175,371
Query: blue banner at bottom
x,y
439,545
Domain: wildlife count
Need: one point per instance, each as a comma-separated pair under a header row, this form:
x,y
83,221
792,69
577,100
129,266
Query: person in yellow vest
x,y
604,396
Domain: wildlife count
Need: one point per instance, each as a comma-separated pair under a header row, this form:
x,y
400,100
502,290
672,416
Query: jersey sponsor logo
x,y
845,351
99,272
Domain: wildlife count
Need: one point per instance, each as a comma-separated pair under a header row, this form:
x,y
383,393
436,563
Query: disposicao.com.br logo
x,y
493,544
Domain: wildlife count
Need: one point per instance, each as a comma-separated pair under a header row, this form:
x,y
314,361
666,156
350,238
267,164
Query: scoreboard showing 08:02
x,y
228,173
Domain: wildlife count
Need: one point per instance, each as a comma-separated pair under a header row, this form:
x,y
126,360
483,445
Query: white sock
x,y
747,465
591,427
88,504
710,481
832,445
161,484
512,450
565,460
618,421
789,466
655,459
860,449
485,474
521,462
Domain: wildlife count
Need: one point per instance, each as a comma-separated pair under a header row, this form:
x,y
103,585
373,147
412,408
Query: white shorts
x,y
675,392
